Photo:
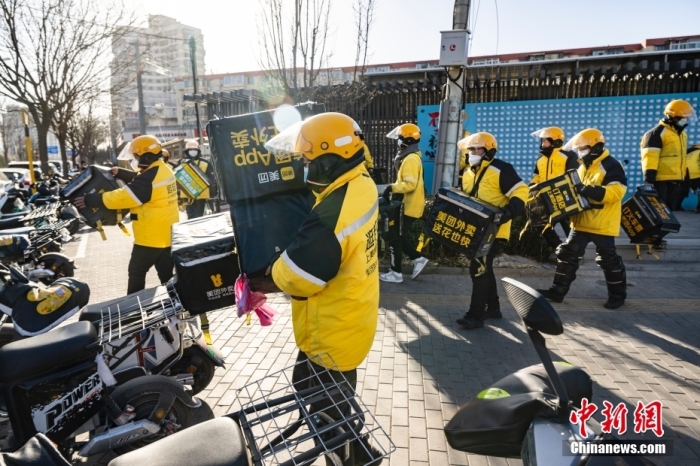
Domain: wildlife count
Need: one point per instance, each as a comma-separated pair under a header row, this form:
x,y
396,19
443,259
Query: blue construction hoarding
x,y
623,120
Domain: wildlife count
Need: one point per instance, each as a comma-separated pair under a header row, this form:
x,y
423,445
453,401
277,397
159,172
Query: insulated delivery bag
x,y
204,252
646,218
95,180
554,200
390,219
268,197
463,223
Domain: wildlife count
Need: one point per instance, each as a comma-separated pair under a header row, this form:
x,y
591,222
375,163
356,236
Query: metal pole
x,y
139,90
193,48
447,157
30,153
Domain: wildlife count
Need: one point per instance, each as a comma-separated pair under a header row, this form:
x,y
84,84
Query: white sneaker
x,y
418,266
391,277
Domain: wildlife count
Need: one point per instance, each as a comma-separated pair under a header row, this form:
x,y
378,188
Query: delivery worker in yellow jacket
x,y
494,181
664,151
692,181
193,154
330,269
151,197
604,183
553,162
410,188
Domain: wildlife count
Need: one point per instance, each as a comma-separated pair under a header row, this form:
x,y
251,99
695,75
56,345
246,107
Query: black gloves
x,y
387,192
513,209
597,193
650,176
647,188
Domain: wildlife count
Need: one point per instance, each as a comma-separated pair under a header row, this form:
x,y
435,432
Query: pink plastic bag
x,y
248,301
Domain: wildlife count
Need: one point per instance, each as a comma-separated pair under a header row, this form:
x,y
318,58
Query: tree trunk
x,y
62,143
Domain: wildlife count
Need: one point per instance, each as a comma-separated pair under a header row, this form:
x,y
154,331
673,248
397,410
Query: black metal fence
x,y
381,105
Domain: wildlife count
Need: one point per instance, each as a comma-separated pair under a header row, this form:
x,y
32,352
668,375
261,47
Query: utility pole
x,y
139,90
450,123
193,59
30,153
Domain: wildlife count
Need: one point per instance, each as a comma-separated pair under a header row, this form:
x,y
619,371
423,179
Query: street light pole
x,y
193,59
139,91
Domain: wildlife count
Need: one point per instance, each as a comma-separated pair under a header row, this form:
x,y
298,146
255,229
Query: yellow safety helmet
x,y
145,145
554,133
589,137
408,133
322,134
166,154
679,109
192,144
480,139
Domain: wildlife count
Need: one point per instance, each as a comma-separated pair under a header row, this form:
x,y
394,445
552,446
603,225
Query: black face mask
x,y
546,151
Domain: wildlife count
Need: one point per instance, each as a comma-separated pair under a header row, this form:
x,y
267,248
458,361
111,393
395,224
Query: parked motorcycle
x,y
526,414
148,332
57,384
38,254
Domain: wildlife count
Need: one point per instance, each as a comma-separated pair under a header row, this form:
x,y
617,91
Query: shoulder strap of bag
x,y
475,189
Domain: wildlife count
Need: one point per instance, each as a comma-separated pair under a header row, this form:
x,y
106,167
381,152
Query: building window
x,y
615,51
487,61
537,57
235,79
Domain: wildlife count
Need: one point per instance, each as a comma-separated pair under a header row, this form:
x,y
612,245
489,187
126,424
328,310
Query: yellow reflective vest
x,y
151,197
664,153
499,183
331,272
608,175
548,167
693,162
409,182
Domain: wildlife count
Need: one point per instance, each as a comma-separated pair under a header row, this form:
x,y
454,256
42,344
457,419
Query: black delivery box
x,y
390,219
559,198
463,223
646,218
94,180
204,253
245,169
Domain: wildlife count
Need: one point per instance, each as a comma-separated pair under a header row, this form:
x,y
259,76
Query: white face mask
x,y
583,152
192,152
306,173
134,164
682,122
474,160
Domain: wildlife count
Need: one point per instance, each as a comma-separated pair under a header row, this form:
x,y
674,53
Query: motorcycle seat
x,y
18,231
11,222
218,442
94,312
54,349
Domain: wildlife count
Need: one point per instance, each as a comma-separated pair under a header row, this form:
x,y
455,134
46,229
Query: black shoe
x,y
493,313
469,322
613,303
552,295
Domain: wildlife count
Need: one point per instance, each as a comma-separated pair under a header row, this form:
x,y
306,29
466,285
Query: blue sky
x,y
408,30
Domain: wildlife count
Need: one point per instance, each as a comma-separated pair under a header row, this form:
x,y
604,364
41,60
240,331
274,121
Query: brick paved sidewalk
x,y
423,365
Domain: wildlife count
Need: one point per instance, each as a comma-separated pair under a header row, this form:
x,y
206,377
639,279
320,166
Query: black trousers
x,y
310,375
669,192
196,209
551,236
403,245
484,287
142,259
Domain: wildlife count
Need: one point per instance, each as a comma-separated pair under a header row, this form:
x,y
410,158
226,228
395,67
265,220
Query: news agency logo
x,y
619,448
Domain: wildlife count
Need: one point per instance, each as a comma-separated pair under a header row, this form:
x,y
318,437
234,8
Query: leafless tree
x,y
85,131
364,18
294,42
52,53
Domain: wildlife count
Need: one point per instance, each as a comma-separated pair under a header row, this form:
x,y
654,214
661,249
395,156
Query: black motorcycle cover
x,y
496,421
204,252
12,247
36,309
